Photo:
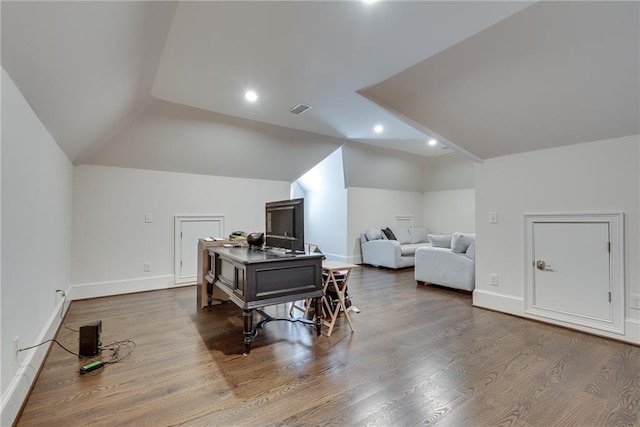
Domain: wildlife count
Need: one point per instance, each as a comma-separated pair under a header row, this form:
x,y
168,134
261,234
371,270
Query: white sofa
x,y
381,251
449,261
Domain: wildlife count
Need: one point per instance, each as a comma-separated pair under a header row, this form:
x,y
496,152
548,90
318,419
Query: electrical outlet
x,y
16,347
147,267
148,218
635,301
493,279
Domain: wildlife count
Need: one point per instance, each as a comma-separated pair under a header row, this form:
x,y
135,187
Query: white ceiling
x,y
84,67
557,73
90,69
316,53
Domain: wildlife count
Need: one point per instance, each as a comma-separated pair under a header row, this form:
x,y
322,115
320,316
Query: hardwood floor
x,y
421,355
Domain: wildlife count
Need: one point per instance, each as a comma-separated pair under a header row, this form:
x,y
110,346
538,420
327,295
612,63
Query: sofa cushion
x,y
373,234
409,249
389,234
471,251
440,240
419,235
460,242
402,234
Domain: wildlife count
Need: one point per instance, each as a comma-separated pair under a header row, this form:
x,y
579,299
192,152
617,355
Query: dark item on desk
x,y
255,240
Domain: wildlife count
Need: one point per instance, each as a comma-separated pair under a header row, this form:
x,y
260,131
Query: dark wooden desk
x,y
254,279
205,293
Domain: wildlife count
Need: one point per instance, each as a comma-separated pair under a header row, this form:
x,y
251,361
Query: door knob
x,y
543,266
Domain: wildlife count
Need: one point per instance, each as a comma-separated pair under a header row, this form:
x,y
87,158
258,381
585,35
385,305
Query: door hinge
x,y
609,247
609,296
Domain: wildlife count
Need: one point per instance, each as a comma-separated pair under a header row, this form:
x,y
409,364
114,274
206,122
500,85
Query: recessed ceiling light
x,y
378,128
368,1
432,142
251,96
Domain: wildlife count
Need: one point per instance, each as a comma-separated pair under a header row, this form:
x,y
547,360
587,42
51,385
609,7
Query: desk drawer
x,y
233,276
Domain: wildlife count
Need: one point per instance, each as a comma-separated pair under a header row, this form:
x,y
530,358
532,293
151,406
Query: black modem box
x,y
90,338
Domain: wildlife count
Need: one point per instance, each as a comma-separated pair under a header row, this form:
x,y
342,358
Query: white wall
x,y
36,229
327,219
600,176
326,206
368,166
111,241
449,203
374,208
172,137
448,172
449,211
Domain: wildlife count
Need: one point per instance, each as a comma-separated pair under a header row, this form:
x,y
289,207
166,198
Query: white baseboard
x,y
335,257
354,259
119,287
632,330
515,306
29,362
498,302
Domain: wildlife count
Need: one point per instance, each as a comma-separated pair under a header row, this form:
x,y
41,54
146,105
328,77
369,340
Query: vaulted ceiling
x,y
485,78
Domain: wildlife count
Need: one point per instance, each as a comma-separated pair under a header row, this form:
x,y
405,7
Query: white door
x,y
572,269
189,229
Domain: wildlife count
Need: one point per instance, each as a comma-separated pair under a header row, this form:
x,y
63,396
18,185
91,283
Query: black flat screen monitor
x,y
284,224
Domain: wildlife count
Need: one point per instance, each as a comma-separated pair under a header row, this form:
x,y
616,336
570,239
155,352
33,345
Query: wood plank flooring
x,y
421,355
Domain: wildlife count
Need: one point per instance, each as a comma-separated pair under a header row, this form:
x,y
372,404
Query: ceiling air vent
x,y
299,109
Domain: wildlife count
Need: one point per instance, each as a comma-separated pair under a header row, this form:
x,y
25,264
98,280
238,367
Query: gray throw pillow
x,y
460,242
402,234
471,251
419,235
373,234
440,240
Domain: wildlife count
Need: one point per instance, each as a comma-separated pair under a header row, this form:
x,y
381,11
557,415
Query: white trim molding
x,y
514,305
118,287
403,221
28,365
498,302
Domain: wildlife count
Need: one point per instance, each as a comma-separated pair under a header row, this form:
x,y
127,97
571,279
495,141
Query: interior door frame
x,y
615,221
177,242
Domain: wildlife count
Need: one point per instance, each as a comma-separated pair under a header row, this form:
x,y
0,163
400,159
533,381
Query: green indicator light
x,y
92,364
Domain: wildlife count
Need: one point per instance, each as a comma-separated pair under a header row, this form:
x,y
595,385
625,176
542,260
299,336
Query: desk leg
x,y
318,312
209,294
248,330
